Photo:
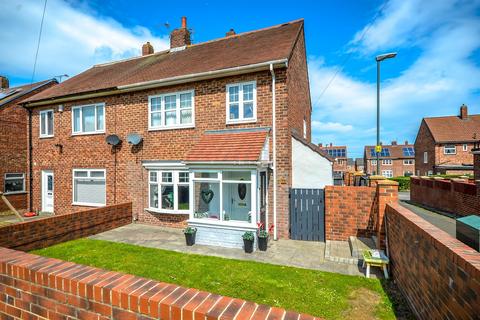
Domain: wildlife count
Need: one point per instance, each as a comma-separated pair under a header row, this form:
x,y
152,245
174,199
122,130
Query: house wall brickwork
x,y
438,275
34,287
455,196
424,143
398,167
14,144
37,234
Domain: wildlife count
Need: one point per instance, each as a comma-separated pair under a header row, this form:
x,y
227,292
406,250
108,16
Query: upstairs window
x,y
171,110
46,123
449,149
387,162
465,147
408,162
242,102
14,182
425,157
88,119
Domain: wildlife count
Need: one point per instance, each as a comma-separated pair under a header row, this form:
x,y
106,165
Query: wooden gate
x,y
307,214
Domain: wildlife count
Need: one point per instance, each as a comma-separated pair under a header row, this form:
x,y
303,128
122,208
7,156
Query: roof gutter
x,y
165,82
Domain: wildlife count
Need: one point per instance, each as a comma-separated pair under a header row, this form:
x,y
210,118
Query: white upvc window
x,y
408,162
14,182
387,162
171,110
224,196
465,147
241,102
89,187
387,173
169,191
46,123
88,119
449,149
425,157
374,162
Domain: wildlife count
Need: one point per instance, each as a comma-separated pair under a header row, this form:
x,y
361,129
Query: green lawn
x,y
323,294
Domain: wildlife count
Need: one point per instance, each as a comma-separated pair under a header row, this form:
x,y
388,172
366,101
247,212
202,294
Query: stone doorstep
x,y
331,254
355,246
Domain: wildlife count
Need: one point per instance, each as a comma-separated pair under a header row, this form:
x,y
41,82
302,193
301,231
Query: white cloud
x,y
331,126
73,39
443,75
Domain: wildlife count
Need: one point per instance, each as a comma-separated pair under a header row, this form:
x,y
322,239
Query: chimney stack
x,y
4,84
147,49
230,33
331,144
394,142
180,37
406,142
320,145
464,112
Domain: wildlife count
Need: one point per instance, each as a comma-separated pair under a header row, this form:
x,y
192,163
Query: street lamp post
x,y
378,148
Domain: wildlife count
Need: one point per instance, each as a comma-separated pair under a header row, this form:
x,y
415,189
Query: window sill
x,y
88,133
230,122
14,193
86,204
155,210
190,126
46,137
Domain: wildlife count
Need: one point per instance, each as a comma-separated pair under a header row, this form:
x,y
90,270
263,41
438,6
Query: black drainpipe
x,y
30,170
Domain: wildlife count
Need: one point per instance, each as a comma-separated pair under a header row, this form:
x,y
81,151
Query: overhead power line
x,y
347,57
38,42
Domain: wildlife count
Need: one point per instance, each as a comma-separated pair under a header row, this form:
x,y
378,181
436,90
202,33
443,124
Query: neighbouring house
x,y
444,144
211,135
359,165
395,160
339,154
350,164
13,140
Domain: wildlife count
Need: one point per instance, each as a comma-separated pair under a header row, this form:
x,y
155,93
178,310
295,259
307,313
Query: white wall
x,y
310,169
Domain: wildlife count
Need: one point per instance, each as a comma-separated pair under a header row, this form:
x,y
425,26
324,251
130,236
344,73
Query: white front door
x,y
47,190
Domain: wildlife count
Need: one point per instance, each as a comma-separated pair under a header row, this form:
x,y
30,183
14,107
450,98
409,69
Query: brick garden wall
x,y
457,197
438,275
17,200
33,287
45,232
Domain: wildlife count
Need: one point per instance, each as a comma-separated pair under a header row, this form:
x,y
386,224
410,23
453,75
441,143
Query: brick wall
x,y
424,143
398,168
45,232
17,200
33,287
438,275
455,196
358,211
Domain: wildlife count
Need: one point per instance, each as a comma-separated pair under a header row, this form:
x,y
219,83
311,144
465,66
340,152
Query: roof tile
x,y
454,129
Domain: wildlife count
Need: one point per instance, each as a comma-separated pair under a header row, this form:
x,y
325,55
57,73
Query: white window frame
x,y
373,162
387,162
465,147
450,147
390,175
240,102
175,183
89,204
96,131
304,128
425,157
219,179
6,178
162,111
46,135
408,162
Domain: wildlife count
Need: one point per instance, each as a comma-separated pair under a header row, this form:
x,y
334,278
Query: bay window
x,y
172,110
169,191
88,119
241,102
89,187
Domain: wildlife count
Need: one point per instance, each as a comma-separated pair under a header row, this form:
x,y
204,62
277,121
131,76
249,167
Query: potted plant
x,y
263,236
190,233
248,240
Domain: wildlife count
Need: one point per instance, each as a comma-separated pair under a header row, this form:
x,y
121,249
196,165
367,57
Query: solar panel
x,y
6,93
385,152
408,151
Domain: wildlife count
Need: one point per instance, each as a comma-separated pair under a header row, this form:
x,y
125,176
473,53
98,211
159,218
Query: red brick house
x,y
444,144
187,134
339,154
13,140
396,160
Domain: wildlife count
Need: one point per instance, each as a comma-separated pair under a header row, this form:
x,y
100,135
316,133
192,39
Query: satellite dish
x,y
134,138
113,140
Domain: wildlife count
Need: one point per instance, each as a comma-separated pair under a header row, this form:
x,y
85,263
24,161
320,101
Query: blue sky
x,y
436,70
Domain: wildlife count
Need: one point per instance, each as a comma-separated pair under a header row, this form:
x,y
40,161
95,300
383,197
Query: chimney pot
x,y
184,22
147,48
394,143
406,142
320,145
180,37
231,32
463,112
331,144
4,83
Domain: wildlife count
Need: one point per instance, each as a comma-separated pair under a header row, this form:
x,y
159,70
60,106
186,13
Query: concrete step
x,y
359,244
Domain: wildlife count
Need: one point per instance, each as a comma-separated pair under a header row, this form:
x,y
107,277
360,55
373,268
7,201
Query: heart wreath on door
x,y
207,195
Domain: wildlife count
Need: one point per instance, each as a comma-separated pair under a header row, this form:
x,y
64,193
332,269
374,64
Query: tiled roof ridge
x,y
166,51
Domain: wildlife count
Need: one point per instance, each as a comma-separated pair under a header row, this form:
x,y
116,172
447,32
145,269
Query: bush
x,y
403,183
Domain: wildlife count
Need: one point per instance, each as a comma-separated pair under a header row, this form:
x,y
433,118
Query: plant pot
x,y
190,238
248,245
262,243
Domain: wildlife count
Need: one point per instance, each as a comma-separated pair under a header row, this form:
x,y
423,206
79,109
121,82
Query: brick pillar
x,y
373,180
387,192
476,168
